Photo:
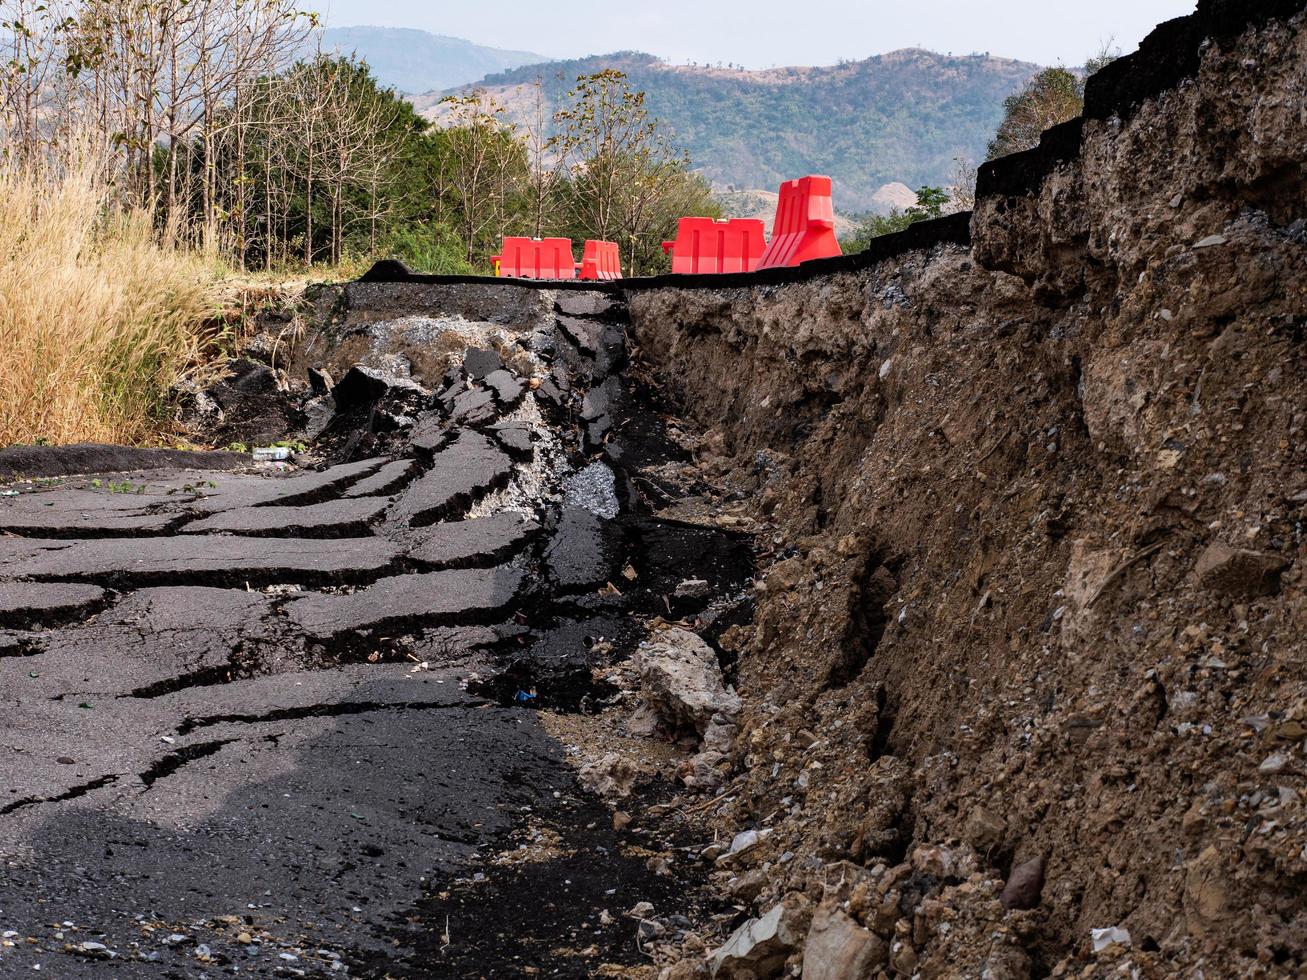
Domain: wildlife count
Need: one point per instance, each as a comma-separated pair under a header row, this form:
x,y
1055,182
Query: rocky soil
x,y
1024,692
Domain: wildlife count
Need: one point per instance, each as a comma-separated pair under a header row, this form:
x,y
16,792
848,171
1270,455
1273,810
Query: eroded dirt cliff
x,y
1028,654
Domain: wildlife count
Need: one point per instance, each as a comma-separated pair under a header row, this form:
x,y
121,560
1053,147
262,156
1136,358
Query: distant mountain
x,y
898,117
415,61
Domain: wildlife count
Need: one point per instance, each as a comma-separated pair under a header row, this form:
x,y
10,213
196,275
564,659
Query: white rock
x,y
840,949
1113,935
1209,241
1275,762
681,681
759,947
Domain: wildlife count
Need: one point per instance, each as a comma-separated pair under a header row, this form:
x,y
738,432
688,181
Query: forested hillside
x,y
902,116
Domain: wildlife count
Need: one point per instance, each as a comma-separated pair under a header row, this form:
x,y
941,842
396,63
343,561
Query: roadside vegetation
x,y
100,314
153,152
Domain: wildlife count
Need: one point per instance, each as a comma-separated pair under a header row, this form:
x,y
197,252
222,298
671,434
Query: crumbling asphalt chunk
x,y
131,509
474,406
582,553
480,363
484,541
153,641
362,386
434,597
89,458
24,604
346,518
228,493
603,343
515,438
196,559
430,434
459,476
388,480
507,387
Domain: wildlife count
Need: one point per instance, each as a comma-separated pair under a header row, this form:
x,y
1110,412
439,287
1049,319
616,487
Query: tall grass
x,y
99,315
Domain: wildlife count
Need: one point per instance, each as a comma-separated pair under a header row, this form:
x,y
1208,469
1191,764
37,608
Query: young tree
x,y
931,202
627,177
1053,96
547,156
962,185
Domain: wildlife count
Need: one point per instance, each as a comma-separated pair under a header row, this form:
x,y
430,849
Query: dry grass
x,y
98,320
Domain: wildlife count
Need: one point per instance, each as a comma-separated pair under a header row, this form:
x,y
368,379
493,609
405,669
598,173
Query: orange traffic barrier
x,y
601,260
705,245
805,224
536,258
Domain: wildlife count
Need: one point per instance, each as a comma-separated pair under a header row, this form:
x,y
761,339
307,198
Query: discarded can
x,y
272,454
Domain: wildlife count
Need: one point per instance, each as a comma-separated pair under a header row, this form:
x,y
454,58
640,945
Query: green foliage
x,y
1054,96
629,183
930,204
427,247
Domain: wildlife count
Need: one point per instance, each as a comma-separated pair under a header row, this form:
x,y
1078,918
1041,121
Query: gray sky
x,y
762,33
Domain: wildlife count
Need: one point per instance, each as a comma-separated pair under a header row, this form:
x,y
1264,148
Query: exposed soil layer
x,y
1026,663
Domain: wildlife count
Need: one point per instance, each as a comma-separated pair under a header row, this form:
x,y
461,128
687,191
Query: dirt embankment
x,y
1035,616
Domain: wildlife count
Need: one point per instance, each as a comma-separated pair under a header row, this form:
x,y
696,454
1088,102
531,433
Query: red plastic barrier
x,y
601,260
705,245
805,224
536,258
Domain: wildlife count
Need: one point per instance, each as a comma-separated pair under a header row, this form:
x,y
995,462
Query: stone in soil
x,y
344,518
461,595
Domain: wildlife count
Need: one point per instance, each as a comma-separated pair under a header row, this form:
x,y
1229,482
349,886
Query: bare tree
x,y
485,155
547,156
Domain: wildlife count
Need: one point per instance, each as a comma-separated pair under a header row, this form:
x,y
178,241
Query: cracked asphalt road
x,y
252,719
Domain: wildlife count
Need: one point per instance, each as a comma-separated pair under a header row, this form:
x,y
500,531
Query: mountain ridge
x,y
414,61
903,116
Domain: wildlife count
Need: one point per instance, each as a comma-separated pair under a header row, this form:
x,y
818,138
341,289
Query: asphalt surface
x,y
253,721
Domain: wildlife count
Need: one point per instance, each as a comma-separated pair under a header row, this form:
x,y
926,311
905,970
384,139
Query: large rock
x,y
840,949
681,682
363,386
760,947
254,409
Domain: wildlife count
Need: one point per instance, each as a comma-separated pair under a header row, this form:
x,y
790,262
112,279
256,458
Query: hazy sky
x,y
762,33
